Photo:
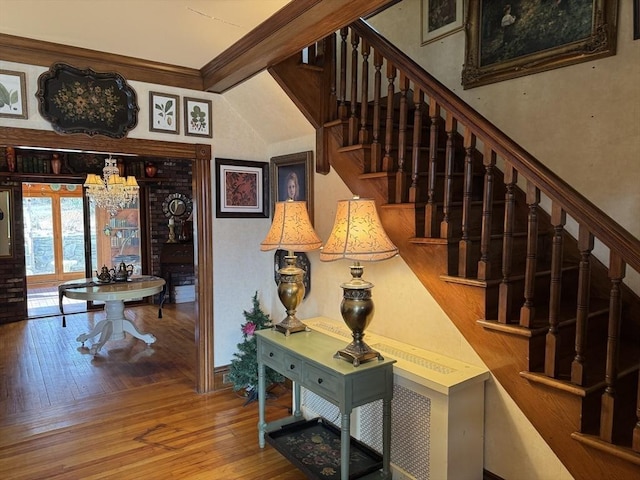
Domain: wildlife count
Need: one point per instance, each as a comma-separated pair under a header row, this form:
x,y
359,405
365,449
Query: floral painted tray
x,y
84,101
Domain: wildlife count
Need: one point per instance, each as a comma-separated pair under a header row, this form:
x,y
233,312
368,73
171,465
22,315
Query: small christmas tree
x,y
243,371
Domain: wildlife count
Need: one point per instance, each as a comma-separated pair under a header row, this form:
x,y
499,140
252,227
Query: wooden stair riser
x,y
495,258
625,412
569,284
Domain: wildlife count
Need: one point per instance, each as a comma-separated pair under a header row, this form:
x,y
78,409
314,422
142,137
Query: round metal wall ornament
x,y
177,205
84,101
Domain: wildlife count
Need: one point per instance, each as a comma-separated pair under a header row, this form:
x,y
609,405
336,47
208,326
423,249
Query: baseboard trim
x,y
220,381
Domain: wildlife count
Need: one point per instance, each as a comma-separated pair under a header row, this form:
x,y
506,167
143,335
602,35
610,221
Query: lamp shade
x,y
357,234
291,229
93,180
131,182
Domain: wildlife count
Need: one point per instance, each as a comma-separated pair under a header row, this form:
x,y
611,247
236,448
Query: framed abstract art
x,y
243,189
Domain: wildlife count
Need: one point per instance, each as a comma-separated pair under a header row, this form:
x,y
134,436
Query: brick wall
x,y
13,283
174,177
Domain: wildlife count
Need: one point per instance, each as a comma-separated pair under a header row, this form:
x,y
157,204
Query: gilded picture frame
x,y
524,37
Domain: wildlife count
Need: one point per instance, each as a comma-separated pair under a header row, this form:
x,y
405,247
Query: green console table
x,y
307,359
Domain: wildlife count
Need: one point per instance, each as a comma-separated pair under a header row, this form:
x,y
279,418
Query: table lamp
x,y
291,230
357,235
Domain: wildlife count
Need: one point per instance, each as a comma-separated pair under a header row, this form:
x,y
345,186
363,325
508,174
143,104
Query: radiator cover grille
x,y
410,428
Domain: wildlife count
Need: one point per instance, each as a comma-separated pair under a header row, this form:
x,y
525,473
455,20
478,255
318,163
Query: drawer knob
x,y
292,366
271,354
319,381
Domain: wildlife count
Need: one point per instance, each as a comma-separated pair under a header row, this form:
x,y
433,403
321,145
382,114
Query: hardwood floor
x,y
130,412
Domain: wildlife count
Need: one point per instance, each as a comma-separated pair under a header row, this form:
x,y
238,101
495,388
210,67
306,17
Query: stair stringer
x,y
554,413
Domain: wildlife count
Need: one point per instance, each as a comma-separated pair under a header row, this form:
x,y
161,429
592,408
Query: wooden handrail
x,y
609,232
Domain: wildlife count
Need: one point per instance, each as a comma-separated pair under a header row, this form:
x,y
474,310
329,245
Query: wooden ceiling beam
x,y
297,25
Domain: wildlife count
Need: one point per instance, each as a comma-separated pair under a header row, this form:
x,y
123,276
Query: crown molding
x,y
38,52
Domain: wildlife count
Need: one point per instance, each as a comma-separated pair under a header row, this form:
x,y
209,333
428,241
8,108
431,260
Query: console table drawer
x,y
272,356
322,382
293,366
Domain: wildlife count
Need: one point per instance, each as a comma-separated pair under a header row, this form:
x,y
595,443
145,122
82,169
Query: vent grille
x,y
319,406
410,430
333,328
415,359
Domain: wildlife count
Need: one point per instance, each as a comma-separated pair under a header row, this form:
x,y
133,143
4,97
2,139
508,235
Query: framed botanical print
x,y
197,117
164,111
13,98
243,189
292,178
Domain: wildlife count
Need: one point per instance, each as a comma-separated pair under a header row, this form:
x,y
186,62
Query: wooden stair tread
x,y
541,323
594,441
497,281
572,388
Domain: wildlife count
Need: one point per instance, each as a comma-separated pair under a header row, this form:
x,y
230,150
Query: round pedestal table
x,y
114,294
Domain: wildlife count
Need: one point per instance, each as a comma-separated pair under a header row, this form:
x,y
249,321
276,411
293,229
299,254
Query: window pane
x,y
72,234
38,238
116,239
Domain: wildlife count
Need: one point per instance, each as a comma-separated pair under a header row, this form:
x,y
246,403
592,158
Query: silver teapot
x,y
104,276
123,273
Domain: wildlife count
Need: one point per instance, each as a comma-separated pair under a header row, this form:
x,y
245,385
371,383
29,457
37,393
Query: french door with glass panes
x,y
53,233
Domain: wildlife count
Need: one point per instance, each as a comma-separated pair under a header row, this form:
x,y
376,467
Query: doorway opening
x,y
54,243
62,243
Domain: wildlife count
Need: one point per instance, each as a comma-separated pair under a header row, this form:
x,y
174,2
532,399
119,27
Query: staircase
x,y
504,245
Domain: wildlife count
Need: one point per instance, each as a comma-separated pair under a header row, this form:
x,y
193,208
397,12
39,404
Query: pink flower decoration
x,y
249,328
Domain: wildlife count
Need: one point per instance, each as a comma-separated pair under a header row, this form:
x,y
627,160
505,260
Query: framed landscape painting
x,y
243,189
441,18
523,37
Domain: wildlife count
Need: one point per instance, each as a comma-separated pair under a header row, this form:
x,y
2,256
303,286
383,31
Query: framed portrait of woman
x,y
292,178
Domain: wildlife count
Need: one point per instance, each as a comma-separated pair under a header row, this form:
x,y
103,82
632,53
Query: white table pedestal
x,y
115,325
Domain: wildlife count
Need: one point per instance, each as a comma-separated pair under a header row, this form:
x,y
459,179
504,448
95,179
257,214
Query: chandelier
x,y
111,192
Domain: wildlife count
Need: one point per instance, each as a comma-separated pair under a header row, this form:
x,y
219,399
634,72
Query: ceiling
x,y
188,33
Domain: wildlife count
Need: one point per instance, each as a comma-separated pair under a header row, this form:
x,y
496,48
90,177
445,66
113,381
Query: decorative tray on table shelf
x,y
314,447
